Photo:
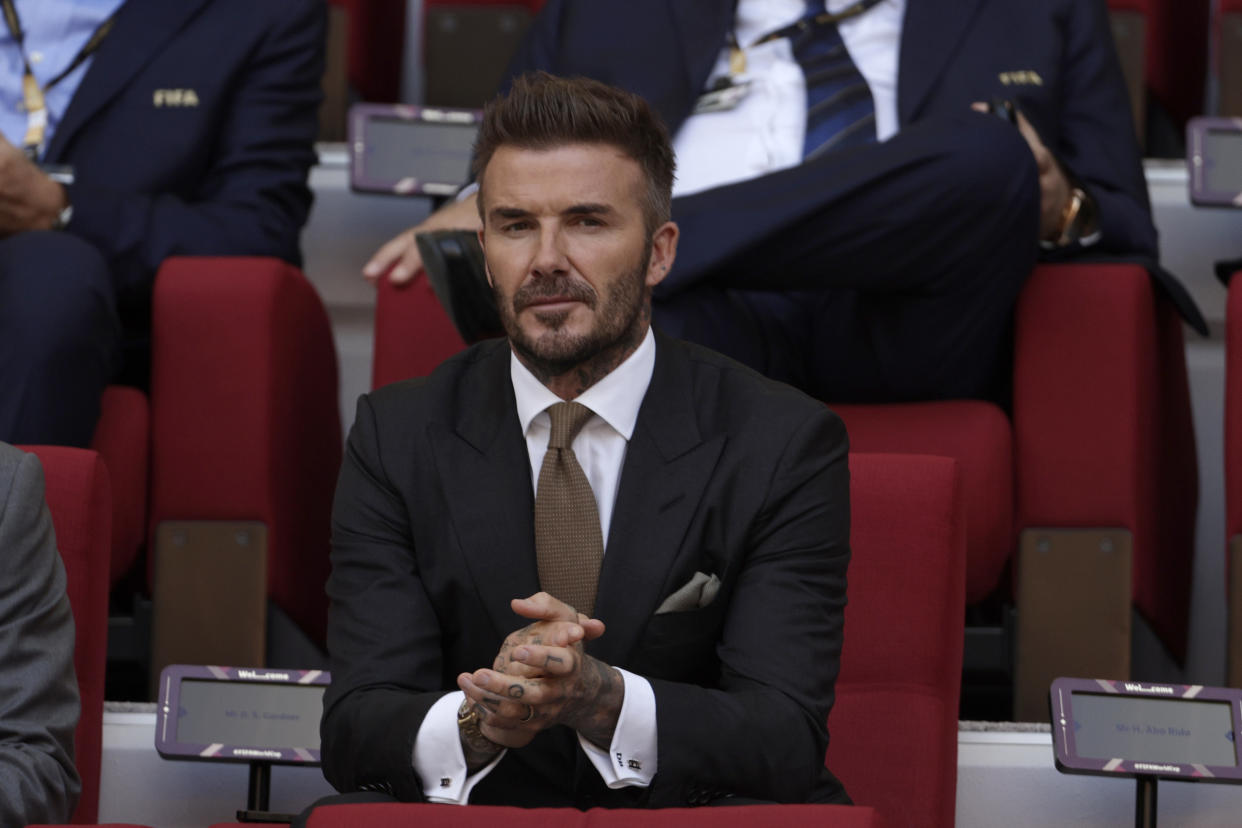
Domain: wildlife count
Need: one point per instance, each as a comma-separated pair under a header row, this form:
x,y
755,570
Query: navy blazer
x,y
192,133
727,473
1055,59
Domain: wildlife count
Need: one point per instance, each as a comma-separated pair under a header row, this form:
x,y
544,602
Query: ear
x,y
663,252
486,269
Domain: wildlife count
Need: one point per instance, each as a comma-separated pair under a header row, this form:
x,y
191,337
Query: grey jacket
x,y
38,689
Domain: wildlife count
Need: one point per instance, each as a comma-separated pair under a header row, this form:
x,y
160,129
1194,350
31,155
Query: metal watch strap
x,y
1073,218
63,218
468,722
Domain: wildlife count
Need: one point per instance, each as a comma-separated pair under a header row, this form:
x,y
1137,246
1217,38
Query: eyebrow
x,y
508,212
588,209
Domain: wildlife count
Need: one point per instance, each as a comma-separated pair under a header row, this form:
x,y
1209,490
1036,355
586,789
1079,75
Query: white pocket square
x,y
697,593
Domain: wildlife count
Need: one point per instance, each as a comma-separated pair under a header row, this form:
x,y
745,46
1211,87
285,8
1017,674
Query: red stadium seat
x,y
123,439
243,422
1104,459
893,730
1094,475
77,493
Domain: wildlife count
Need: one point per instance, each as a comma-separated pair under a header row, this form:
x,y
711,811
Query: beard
x,y
554,351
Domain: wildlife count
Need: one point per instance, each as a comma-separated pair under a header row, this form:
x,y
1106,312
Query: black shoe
x,y
453,262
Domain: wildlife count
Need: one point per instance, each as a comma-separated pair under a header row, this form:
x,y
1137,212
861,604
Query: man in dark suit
x,y
181,128
689,658
38,781
883,269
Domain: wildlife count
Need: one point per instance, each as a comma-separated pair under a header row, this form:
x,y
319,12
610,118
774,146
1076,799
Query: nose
x,y
550,258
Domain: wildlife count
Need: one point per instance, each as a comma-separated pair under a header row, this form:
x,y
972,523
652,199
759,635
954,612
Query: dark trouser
x,y
59,338
880,273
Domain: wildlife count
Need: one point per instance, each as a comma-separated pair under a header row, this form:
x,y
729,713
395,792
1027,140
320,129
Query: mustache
x,y
560,287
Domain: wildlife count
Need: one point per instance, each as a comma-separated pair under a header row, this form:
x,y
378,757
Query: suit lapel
x,y
929,38
142,29
485,469
667,467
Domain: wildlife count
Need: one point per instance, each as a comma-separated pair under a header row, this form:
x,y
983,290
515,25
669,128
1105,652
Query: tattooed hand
x,y
542,677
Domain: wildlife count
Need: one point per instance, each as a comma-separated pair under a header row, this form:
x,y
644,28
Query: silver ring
x,y
530,714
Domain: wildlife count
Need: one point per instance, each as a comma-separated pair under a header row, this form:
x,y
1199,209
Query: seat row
x,y
894,724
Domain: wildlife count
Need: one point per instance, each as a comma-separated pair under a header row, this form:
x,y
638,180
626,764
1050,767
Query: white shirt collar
x,y
615,399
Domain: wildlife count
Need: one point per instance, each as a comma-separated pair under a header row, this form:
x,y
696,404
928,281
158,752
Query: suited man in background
x,y
486,644
38,688
134,130
881,261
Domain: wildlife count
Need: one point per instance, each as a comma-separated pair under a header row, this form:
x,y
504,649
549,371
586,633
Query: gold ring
x,y
530,714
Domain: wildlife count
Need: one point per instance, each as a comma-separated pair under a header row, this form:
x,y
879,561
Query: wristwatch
x,y
66,213
1077,217
468,722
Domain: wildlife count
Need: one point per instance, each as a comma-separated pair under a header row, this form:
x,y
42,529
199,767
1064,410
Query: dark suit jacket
x,y
1054,58
159,173
727,473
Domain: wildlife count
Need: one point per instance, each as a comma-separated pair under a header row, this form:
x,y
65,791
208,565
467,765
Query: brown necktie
x,y
569,544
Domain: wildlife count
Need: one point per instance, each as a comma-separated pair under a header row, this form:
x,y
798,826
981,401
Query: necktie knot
x,y
568,418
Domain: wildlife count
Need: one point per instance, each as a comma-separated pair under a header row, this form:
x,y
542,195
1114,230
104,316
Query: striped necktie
x,y
839,109
569,543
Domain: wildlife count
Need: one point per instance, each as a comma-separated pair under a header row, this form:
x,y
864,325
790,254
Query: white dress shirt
x,y
600,448
765,132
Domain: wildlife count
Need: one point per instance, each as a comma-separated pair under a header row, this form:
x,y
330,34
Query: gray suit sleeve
x,y
38,689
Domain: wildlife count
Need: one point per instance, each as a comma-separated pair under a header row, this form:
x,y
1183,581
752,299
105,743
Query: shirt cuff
x,y
438,757
630,760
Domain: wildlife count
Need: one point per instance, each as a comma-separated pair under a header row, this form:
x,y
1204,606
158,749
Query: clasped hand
x,y
542,677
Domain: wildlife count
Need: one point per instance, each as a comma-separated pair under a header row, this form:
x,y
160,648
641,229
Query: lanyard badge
x,y
728,91
36,116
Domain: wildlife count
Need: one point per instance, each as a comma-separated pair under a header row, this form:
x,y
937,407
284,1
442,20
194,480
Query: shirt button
x,y
36,57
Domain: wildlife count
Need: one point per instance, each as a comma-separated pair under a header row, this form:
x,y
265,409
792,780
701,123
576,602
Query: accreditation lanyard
x,y
32,94
737,55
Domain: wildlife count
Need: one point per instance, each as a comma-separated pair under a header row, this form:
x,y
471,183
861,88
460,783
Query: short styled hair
x,y
543,111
